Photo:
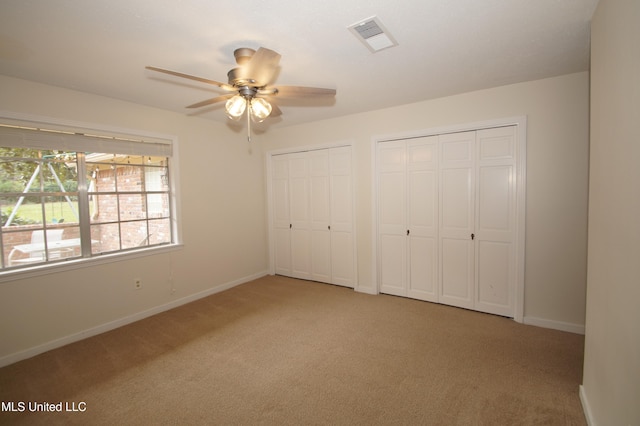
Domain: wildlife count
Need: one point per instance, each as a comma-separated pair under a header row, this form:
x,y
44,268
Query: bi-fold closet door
x,y
447,219
312,210
407,218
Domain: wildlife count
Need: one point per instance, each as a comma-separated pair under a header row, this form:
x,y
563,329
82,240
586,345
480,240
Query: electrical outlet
x,y
137,283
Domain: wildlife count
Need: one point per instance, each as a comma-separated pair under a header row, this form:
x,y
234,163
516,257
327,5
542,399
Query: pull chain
x,y
248,121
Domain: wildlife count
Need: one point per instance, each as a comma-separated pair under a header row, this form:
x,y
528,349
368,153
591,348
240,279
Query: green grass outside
x,y
53,211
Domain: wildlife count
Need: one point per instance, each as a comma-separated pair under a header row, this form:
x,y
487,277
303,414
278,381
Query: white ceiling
x,y
445,47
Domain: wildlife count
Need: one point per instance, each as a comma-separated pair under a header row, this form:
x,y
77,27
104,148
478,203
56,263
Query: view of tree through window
x,y
58,205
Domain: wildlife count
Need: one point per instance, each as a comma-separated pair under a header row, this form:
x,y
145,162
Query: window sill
x,y
69,265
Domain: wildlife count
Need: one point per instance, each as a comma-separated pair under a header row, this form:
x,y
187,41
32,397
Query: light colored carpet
x,y
279,351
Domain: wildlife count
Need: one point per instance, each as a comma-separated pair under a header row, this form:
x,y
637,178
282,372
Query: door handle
x,y
407,232
473,236
329,227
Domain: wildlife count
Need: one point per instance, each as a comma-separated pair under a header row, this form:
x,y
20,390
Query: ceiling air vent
x,y
373,34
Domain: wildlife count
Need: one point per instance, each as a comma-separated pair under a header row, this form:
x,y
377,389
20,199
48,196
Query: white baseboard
x,y
586,407
555,325
94,331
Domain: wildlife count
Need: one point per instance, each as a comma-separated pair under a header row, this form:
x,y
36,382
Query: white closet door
x,y
281,218
300,216
312,215
422,218
457,219
320,215
342,242
392,228
496,220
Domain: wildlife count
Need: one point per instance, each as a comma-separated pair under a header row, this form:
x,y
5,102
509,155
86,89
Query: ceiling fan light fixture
x,y
256,70
235,107
260,109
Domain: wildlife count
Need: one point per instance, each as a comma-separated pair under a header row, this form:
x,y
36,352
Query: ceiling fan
x,y
250,86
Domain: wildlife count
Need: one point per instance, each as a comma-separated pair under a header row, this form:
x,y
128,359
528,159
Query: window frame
x,y
104,136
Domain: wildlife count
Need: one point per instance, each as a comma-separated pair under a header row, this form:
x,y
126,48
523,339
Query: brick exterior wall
x,y
104,208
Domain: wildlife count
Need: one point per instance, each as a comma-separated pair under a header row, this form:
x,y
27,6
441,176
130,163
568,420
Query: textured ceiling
x,y
445,48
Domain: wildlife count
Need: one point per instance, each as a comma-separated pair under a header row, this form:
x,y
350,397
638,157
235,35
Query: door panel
x,y
457,219
495,275
423,255
392,203
456,198
494,200
321,256
422,215
299,202
496,221
392,226
457,272
393,264
423,202
497,144
300,216
457,151
281,203
343,271
280,215
392,189
301,254
422,170
282,249
320,215
342,259
341,203
423,276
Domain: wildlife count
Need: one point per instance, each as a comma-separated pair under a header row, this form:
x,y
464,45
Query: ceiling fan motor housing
x,y
243,55
238,77
247,92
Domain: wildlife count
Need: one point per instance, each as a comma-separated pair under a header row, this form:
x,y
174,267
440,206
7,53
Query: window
x,y
69,194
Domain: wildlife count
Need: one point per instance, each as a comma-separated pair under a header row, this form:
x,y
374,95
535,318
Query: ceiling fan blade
x,y
275,111
211,101
297,91
262,66
191,77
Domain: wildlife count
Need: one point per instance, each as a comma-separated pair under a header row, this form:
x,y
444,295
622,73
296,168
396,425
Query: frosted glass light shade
x,y
260,109
235,107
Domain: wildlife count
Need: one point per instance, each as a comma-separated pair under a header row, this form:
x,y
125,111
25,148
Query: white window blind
x,y
79,140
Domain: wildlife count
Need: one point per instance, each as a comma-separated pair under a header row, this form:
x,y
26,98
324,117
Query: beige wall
x,y
224,215
223,222
557,179
611,382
